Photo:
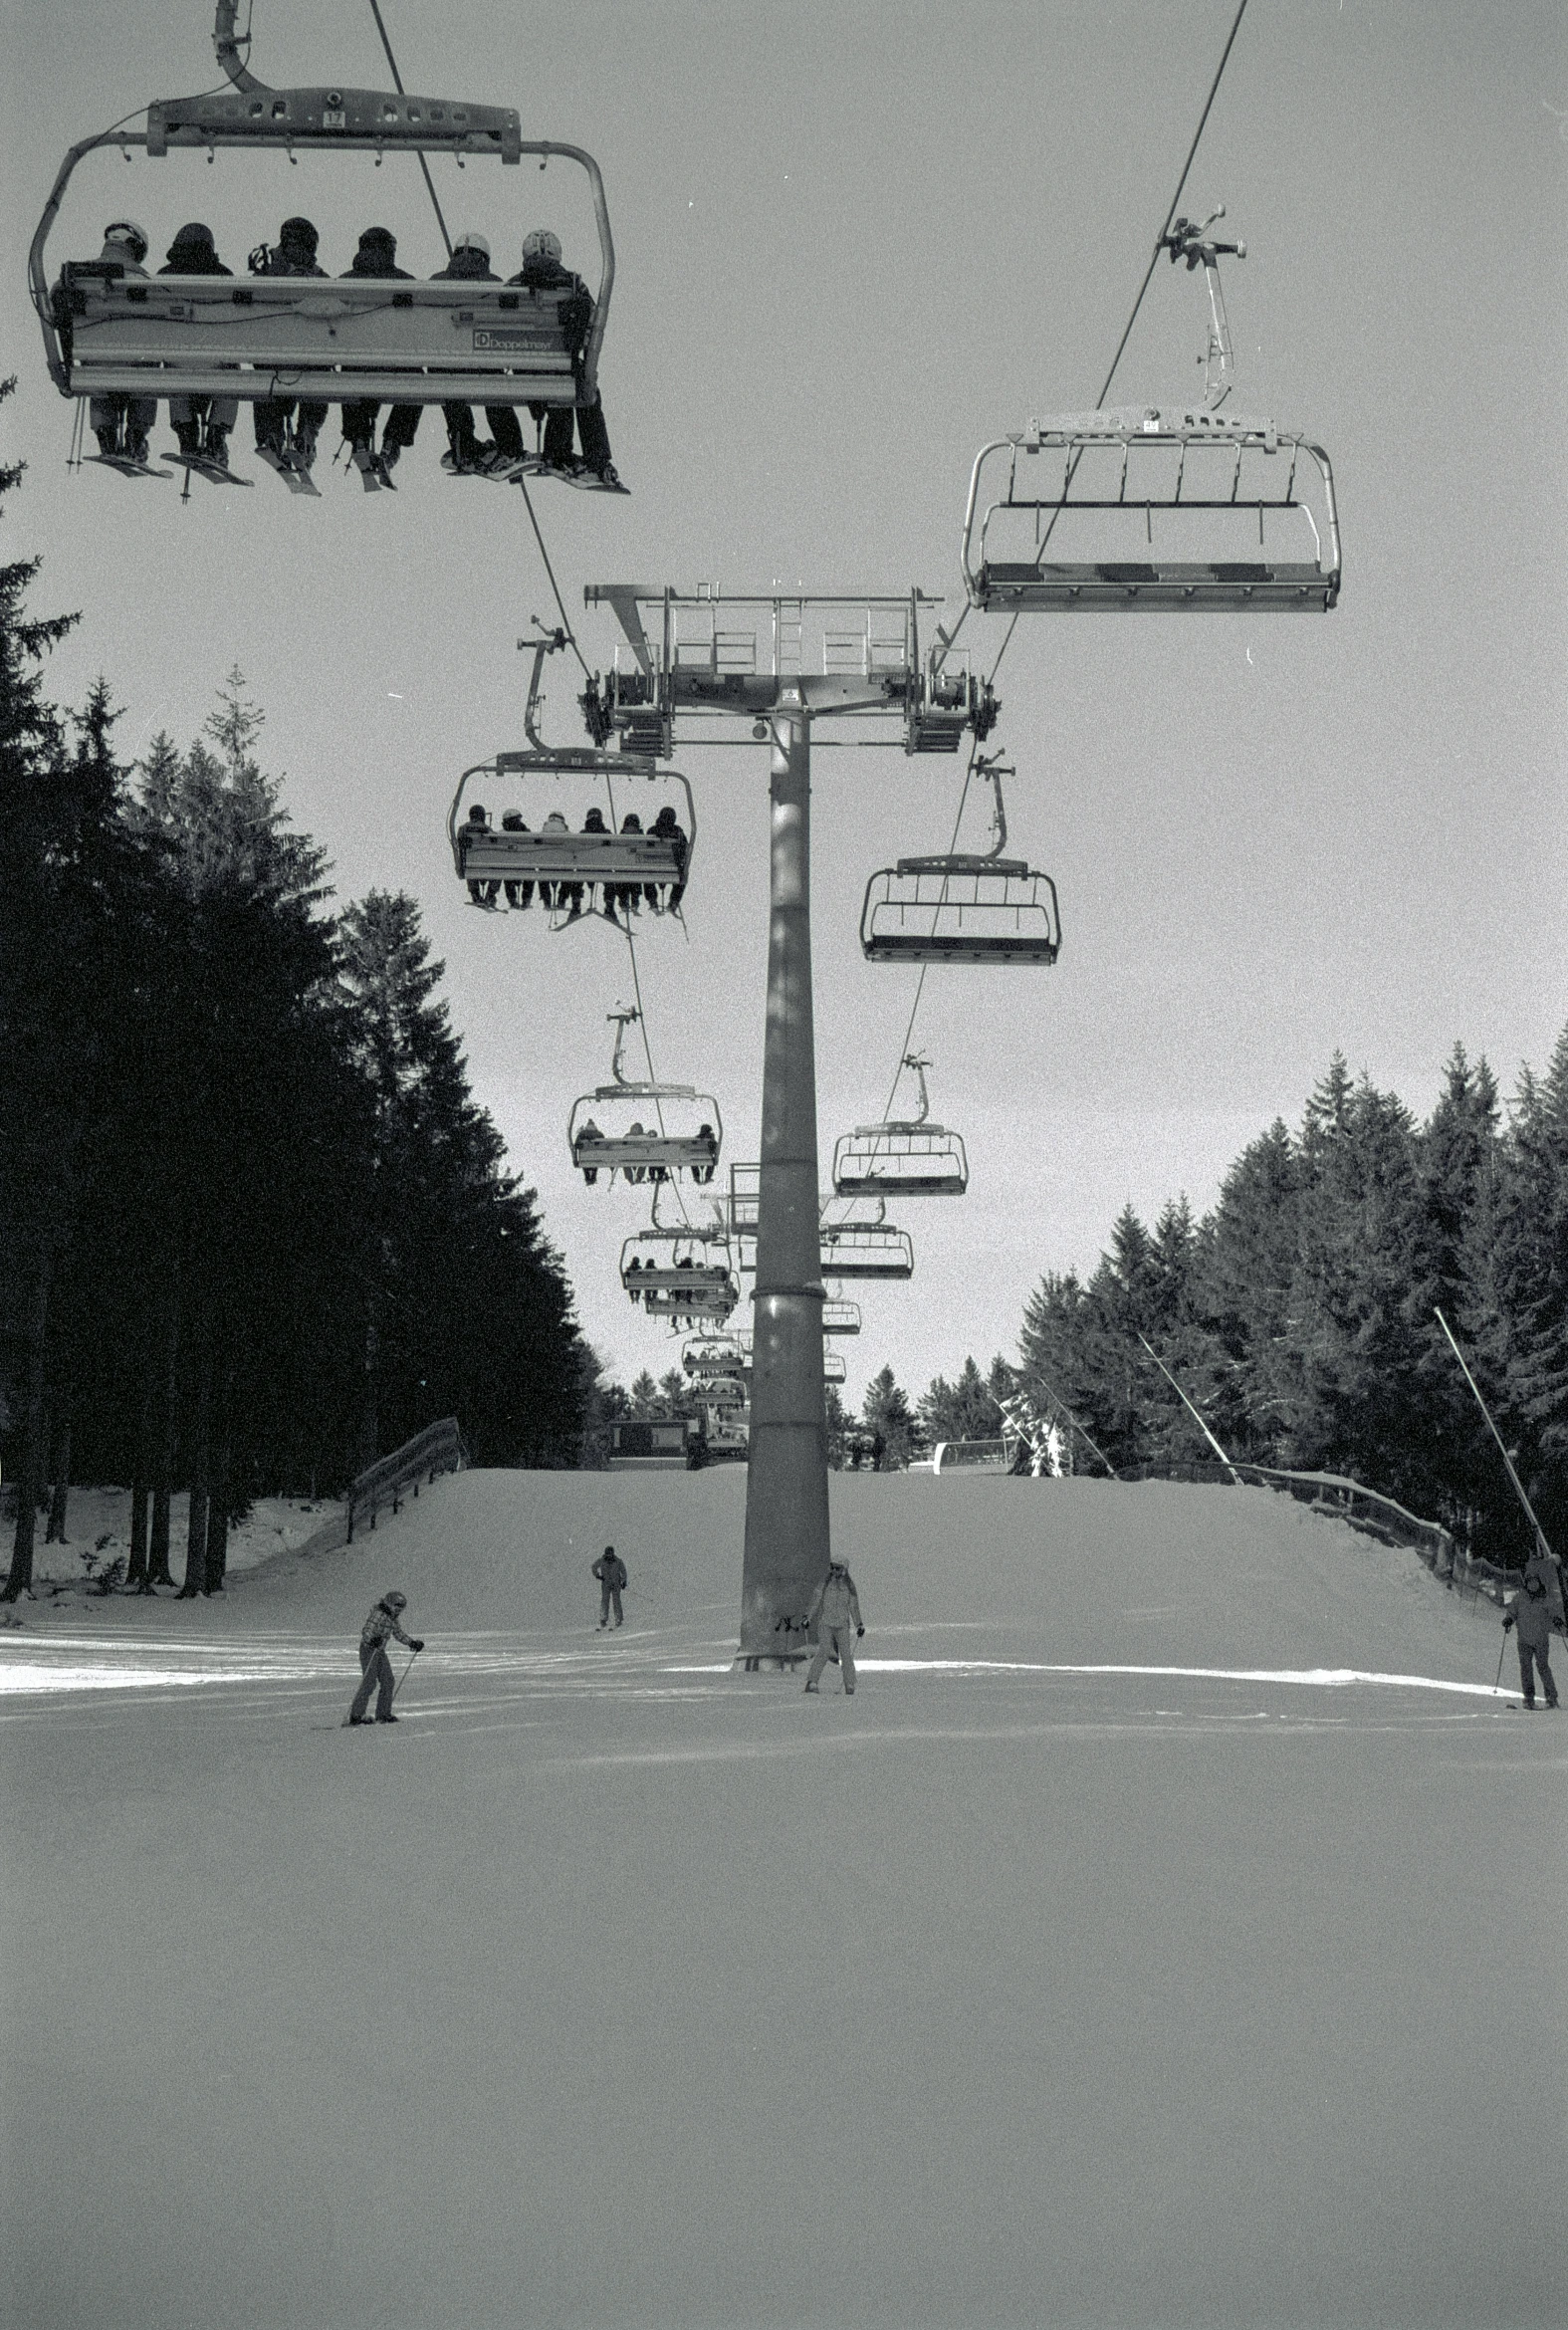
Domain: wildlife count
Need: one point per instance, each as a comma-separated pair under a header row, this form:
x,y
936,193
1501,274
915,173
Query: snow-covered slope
x,y
614,1989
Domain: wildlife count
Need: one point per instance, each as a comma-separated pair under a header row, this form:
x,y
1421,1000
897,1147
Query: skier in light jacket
x,y
375,1667
1532,1615
836,1609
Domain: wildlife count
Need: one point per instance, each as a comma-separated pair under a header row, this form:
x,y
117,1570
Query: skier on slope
x,y
835,1607
1532,1615
611,1571
374,1666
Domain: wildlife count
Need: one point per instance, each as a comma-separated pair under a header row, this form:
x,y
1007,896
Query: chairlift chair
x,y
833,1368
714,1355
865,1250
840,1316
670,1284
568,867
908,1157
963,908
1175,509
106,332
644,1154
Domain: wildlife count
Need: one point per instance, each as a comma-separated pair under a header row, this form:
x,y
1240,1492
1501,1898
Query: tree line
x,y
254,1228
1300,1315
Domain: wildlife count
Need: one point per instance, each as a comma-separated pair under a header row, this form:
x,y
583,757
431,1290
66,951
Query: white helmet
x,y
125,230
542,243
472,241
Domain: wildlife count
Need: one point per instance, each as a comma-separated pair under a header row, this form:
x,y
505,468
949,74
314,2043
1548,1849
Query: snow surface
x,y
1169,1935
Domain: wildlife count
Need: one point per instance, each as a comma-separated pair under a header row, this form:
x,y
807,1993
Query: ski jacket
x,y
195,259
466,266
577,302
835,1603
611,1571
381,1624
1532,1615
119,256
288,258
374,258
1546,1568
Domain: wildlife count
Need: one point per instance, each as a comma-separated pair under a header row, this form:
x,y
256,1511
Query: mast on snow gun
x,y
1192,1411
1496,1435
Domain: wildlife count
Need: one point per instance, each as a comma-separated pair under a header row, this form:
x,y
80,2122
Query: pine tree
x,y
889,1422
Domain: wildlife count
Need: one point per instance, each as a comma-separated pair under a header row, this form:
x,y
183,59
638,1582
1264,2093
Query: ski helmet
x,y
127,230
299,230
469,240
394,1600
193,233
542,243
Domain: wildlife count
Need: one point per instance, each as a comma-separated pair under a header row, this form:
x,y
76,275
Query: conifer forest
x,y
254,1227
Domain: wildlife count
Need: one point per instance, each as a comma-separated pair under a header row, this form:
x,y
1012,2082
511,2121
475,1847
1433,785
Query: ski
x,y
214,471
126,467
295,475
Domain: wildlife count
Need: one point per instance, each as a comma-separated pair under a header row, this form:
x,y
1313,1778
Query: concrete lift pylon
x,y
697,661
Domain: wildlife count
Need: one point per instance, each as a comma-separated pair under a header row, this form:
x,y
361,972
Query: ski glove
x,y
859,1630
414,1643
1507,1622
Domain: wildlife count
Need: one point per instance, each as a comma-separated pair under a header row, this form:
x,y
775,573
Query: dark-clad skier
x,y
469,263
375,1667
834,1611
611,1571
377,256
293,254
1532,1615
201,423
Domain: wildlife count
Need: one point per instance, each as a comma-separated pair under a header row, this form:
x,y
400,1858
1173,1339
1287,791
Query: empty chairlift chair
x,y
908,1157
840,1316
683,1134
1171,508
865,1250
959,908
106,332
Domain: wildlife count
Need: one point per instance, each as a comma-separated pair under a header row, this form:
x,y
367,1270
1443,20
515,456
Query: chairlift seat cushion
x,y
1168,586
310,337
961,947
877,1180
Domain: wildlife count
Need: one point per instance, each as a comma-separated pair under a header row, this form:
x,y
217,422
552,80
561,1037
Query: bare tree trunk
x,y
222,1463
158,1572
136,1575
200,1458
60,1472
370,1414
19,1581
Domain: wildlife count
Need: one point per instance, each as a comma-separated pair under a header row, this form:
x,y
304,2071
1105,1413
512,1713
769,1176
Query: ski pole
x,y
1498,1686
413,1654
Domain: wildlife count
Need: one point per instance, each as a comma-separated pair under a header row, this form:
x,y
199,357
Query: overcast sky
x,y
853,246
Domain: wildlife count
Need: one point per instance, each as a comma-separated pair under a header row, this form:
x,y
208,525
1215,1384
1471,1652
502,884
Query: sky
x,y
854,247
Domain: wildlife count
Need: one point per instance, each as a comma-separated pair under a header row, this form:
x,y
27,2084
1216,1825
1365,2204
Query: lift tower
x,y
781,663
